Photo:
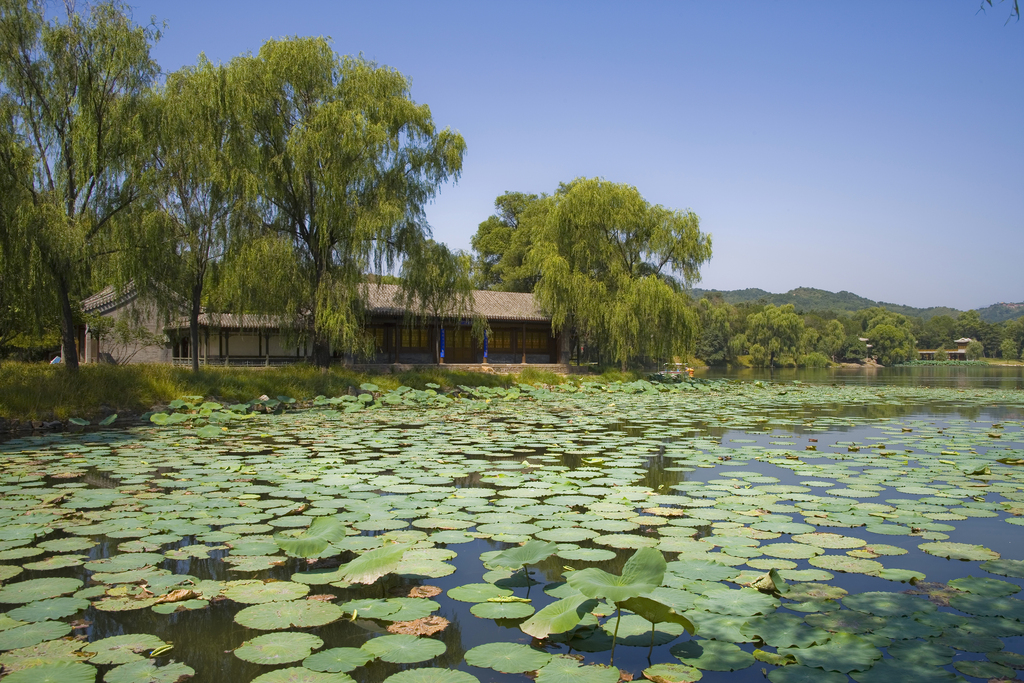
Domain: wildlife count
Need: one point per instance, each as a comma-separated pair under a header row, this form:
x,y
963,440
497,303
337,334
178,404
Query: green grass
x,y
44,392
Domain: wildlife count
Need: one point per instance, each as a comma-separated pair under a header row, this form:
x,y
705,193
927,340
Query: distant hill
x,y
810,299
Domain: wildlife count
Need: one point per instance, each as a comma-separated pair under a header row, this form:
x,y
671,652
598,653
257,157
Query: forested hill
x,y
810,299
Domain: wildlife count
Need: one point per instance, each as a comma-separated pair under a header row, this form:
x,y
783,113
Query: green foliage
x,y
503,242
776,330
814,360
1008,349
975,351
759,356
892,344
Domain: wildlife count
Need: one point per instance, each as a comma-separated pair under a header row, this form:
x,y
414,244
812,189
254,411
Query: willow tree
x,y
194,189
776,329
613,269
75,87
437,287
345,162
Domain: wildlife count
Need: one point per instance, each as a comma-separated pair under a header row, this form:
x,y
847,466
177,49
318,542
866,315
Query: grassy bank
x,y
46,392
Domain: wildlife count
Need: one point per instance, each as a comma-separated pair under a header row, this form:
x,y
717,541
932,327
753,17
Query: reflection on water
x,y
964,376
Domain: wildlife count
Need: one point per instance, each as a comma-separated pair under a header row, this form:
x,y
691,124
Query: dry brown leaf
x,y
427,626
178,596
323,597
415,591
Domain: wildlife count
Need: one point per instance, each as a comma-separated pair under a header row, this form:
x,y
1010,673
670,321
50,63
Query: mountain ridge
x,y
812,299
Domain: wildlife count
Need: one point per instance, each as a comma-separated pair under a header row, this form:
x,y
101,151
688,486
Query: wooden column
x,y
524,343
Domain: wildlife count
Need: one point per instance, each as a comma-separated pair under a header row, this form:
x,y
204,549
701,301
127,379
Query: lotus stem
x,y
650,650
615,635
526,573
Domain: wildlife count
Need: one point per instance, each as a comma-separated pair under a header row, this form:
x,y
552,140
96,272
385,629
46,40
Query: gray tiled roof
x,y
108,298
387,300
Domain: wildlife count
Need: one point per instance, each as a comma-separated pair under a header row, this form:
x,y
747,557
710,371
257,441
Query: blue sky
x,y
871,146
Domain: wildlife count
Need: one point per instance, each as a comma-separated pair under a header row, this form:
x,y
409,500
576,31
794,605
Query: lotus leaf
x,y
273,616
313,540
477,592
431,676
54,608
255,593
32,634
969,642
509,658
744,601
985,586
122,649
843,652
921,653
278,648
146,671
985,606
636,631
959,551
642,573
982,669
1005,567
672,673
56,672
705,570
803,674
843,563
712,655
847,621
563,669
412,608
558,617
404,649
530,552
502,610
339,659
298,674
372,565
33,590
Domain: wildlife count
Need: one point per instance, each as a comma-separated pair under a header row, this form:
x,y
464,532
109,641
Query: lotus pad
x,y
432,676
847,621
745,602
32,634
274,616
672,673
278,648
477,592
888,604
984,606
404,649
844,652
803,674
54,608
642,573
959,551
985,586
509,658
298,674
274,591
1005,567
567,670
38,589
122,649
148,672
844,563
712,655
898,671
339,659
57,672
502,610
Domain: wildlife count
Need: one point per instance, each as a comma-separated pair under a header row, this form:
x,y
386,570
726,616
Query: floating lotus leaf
x,y
843,563
984,606
642,573
921,653
803,674
146,671
313,540
704,570
298,674
338,659
563,669
656,612
51,563
888,604
278,648
530,552
744,601
969,642
566,535
672,673
558,617
48,652
586,554
320,577
791,551
844,652
829,540
477,592
32,634
636,631
502,610
508,658
959,551
38,589
258,592
901,575
1005,567
370,608
712,655
411,609
122,649
273,616
985,586
372,565
847,621
404,649
57,672
431,676
55,608
982,669
420,568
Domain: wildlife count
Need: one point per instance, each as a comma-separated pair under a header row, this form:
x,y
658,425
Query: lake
x,y
844,525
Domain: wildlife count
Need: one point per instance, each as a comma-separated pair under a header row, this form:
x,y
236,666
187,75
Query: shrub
x,y
815,360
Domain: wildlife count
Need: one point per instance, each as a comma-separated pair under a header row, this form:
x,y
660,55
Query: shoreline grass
x,y
34,391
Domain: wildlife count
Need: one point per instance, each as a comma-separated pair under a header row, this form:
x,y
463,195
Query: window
x,y
536,340
500,340
414,338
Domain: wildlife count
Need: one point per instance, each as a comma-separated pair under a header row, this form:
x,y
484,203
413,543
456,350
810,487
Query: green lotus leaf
x,y
372,565
922,653
477,592
298,674
672,673
411,609
122,649
791,551
338,659
274,616
32,634
985,586
960,639
822,539
54,608
982,669
656,612
888,604
563,669
274,591
959,551
847,621
48,652
566,535
1005,567
530,552
985,606
712,655
371,608
744,601
38,589
898,671
320,577
844,563
843,652
57,672
634,630
424,569
146,671
586,554
313,540
404,649
803,674
432,676
901,575
507,658
703,570
502,610
183,606
278,648
642,573
559,616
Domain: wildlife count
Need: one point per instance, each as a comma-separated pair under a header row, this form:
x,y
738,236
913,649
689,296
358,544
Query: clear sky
x,y
872,146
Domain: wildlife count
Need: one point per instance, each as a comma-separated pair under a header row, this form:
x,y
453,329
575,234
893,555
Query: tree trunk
x,y
193,324
321,350
67,328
